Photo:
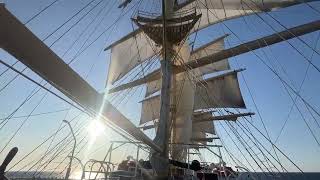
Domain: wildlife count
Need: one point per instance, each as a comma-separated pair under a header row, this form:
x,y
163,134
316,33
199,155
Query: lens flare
x,y
96,128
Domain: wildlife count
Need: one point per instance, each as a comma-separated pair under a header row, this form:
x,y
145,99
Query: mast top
x,y
178,25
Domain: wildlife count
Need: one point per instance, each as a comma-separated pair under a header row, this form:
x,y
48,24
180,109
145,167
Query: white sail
x,y
215,11
198,135
206,127
150,109
128,54
184,109
205,50
153,87
222,92
125,54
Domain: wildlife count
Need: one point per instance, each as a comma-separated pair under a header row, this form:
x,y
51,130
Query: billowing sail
x,y
150,109
205,50
222,92
136,47
198,135
128,54
206,127
153,87
214,11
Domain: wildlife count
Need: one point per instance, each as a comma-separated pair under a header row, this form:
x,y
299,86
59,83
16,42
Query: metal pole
x,y
73,149
137,161
111,146
82,166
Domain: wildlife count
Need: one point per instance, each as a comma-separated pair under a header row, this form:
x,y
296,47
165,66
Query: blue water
x,y
281,176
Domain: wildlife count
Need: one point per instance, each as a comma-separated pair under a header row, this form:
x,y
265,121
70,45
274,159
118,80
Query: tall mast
x,y
162,135
166,69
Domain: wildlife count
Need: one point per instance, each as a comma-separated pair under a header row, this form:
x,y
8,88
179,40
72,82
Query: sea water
x,y
280,176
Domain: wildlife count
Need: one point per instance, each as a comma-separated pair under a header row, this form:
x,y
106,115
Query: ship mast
x,y
166,69
162,135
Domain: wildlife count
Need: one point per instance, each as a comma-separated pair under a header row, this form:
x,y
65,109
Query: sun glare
x,y
95,128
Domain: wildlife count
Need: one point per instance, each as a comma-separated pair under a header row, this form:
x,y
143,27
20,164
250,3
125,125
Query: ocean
x,y
281,176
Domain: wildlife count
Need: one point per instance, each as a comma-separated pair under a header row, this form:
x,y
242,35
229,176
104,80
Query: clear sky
x,y
269,94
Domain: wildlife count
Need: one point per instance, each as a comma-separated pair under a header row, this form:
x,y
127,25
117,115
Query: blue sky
x,y
269,94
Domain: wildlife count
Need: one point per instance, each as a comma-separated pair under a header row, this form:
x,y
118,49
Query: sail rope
x,y
50,46
274,72
251,95
43,142
40,12
187,71
245,147
25,120
38,114
6,119
252,153
59,150
53,139
299,89
278,22
28,21
57,147
289,95
47,37
103,32
96,17
296,97
192,79
77,22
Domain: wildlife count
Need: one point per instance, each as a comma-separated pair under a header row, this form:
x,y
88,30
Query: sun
x,y
95,128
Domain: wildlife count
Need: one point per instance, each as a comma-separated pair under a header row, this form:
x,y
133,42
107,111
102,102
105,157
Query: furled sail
x,y
222,92
128,54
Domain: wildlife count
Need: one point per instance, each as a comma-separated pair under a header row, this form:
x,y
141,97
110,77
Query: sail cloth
x,y
222,92
205,50
20,42
184,109
127,55
153,87
206,127
150,109
214,11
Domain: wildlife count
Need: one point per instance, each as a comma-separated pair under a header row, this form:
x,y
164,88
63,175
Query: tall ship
x,y
168,98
